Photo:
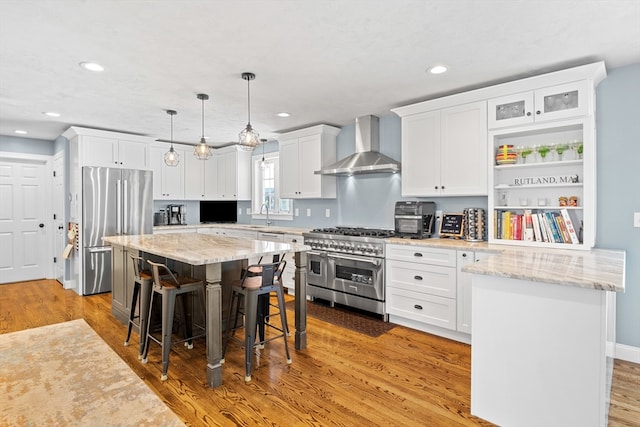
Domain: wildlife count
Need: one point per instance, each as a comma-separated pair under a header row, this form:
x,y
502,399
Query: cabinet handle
x,y
528,113
294,240
464,255
436,187
417,277
442,187
418,254
538,112
417,307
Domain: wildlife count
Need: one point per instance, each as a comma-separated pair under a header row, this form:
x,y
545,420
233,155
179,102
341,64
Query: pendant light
x,y
202,150
263,164
248,138
171,157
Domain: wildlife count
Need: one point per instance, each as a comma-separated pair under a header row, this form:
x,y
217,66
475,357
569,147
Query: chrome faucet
x,y
264,205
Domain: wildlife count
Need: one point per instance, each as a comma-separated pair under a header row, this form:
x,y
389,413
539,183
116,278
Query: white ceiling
x,y
324,61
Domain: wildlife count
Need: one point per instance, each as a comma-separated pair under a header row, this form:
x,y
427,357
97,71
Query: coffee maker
x,y
177,214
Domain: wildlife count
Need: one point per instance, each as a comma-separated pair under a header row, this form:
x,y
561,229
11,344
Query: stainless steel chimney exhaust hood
x,y
367,158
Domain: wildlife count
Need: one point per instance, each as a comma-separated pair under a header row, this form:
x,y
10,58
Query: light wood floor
x,y
402,378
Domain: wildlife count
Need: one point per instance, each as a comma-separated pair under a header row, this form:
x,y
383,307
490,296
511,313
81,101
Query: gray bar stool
x,y
142,281
249,289
169,286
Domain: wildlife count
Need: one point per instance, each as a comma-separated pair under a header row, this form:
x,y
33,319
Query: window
x,y
265,189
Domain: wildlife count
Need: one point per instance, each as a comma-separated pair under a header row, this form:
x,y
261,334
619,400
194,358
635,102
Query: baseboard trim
x,y
628,353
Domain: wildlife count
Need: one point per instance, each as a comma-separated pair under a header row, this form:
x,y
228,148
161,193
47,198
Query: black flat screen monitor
x,y
214,211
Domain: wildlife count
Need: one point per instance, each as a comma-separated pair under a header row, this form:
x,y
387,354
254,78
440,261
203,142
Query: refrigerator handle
x,y
119,207
125,230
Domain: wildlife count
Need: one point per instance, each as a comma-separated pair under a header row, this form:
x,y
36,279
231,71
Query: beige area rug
x,y
66,375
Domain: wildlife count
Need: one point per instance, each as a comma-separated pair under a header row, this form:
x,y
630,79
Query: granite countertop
x,y
595,269
201,249
248,227
436,242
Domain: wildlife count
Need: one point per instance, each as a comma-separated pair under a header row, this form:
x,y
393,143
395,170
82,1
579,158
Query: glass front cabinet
x,y
551,103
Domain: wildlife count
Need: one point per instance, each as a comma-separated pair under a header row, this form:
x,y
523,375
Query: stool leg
x,y
263,316
283,319
168,307
145,302
187,308
231,314
251,312
132,313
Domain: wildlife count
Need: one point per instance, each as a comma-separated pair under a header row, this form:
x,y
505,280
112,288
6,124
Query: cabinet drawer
x,y
429,309
430,279
422,255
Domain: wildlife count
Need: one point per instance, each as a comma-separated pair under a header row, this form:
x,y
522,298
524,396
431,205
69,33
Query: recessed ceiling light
x,y
283,114
51,114
438,69
20,132
92,66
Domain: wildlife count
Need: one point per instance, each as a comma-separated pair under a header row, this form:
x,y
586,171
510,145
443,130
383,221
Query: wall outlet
x,y
248,211
239,211
308,211
636,219
296,212
438,214
327,213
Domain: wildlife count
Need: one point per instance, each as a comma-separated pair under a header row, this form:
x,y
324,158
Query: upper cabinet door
x,y
562,101
133,155
463,150
511,110
289,169
99,151
421,154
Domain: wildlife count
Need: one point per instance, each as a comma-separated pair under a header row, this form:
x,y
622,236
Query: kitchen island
x,y
211,251
543,335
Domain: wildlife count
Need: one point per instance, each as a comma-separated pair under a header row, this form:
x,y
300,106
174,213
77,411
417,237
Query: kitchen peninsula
x,y
543,331
211,251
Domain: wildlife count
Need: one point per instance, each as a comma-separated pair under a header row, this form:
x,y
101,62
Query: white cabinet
x,y
224,176
233,174
421,286
301,153
550,103
463,295
168,181
115,153
442,151
91,147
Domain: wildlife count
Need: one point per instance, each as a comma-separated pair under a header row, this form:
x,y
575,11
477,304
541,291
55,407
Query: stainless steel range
x,y
346,266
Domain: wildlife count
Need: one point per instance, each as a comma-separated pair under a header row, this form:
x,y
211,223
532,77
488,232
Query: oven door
x,y
357,275
317,268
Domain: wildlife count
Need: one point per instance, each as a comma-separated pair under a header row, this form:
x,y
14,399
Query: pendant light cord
x,y
248,101
203,118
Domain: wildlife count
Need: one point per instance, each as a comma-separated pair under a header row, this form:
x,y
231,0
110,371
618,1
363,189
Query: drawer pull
x,y
417,307
417,277
418,254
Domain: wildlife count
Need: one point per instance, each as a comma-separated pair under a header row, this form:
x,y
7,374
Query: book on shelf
x,y
532,225
570,227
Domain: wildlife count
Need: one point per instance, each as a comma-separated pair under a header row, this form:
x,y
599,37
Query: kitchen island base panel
x,y
214,324
539,352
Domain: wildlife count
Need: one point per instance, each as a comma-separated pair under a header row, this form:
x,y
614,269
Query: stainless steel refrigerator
x,y
114,202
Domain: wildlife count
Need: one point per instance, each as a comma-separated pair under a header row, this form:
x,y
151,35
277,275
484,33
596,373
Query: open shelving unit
x,y
536,186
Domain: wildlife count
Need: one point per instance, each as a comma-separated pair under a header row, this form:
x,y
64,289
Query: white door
x,y
23,235
60,239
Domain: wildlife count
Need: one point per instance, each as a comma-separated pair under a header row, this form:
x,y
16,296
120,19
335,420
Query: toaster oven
x,y
415,220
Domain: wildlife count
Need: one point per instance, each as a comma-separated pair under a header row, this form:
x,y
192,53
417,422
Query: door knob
x,y
61,227
41,225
